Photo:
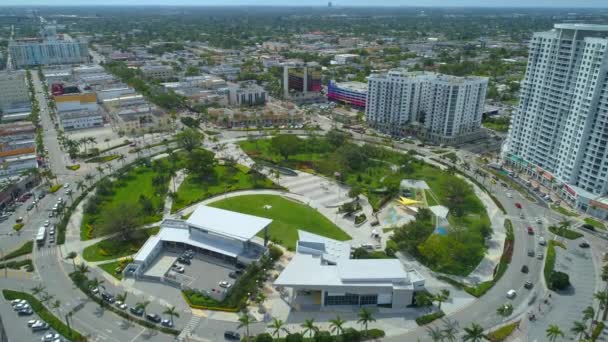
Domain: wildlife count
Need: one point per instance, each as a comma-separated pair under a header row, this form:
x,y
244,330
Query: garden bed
x,y
117,247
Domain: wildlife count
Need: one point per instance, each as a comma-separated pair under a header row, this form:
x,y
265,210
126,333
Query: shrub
x,y
351,334
559,281
567,233
18,226
375,333
297,337
597,331
426,319
502,333
15,265
55,187
45,315
73,167
275,252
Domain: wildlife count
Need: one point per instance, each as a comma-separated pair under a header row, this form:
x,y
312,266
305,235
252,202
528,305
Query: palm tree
x,y
474,333
337,325
441,297
142,305
564,225
602,297
122,159
579,328
435,334
56,304
309,327
100,169
244,321
46,297
82,268
450,330
72,255
553,332
122,297
505,310
84,141
365,317
96,284
277,326
589,314
170,310
89,177
37,289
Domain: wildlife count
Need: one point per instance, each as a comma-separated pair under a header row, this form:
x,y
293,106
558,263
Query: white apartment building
x,y
247,93
441,108
14,92
558,133
36,51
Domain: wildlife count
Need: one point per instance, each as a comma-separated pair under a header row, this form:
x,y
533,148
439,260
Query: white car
x,y
21,306
66,185
121,305
538,220
32,322
178,269
50,337
18,301
511,294
509,195
225,284
47,223
166,323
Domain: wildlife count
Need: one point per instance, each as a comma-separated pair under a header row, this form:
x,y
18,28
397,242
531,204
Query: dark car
x,y
183,260
137,311
232,275
528,285
107,297
530,252
584,244
530,231
153,318
231,335
524,269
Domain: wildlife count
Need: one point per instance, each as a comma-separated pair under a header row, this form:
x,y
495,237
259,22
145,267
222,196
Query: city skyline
x,y
351,3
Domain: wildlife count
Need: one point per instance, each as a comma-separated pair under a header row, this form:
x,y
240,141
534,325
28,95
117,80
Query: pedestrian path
x,y
190,326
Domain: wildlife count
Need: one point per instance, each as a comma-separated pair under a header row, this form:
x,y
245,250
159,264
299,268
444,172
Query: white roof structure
x,y
440,211
323,262
414,183
227,223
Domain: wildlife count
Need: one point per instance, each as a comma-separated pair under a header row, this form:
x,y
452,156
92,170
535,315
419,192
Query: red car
x,y
517,205
530,231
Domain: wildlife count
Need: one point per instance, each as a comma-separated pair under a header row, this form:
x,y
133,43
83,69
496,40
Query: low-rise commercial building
x,y
17,148
160,72
81,119
322,274
345,58
271,115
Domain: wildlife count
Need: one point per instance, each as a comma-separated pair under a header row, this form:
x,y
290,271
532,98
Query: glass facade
x,y
350,299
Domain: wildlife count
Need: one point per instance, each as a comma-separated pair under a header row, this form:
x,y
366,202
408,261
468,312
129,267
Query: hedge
x,y
502,333
350,334
73,167
597,331
45,315
566,233
205,307
82,282
26,248
55,188
426,319
15,265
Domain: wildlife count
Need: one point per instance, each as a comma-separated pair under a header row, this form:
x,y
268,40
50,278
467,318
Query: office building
x,y
161,72
36,51
350,93
345,58
247,93
558,133
440,108
17,148
14,92
322,274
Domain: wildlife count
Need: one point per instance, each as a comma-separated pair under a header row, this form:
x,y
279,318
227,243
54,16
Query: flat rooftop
x,y
227,223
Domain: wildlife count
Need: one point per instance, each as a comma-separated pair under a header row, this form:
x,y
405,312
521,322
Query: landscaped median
x,y
46,315
502,333
551,276
26,248
426,319
564,232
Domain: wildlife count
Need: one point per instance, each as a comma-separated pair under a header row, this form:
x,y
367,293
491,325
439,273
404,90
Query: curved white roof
x,y
227,223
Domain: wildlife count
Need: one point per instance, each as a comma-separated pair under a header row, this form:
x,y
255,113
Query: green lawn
x,y
288,216
110,268
126,194
563,211
595,223
567,233
116,247
194,190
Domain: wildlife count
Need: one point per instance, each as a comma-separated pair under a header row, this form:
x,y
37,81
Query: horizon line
x,y
312,6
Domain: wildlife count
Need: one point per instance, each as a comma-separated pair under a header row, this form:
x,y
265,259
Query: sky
x,y
336,3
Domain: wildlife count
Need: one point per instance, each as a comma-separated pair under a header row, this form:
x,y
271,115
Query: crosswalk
x,y
45,252
192,324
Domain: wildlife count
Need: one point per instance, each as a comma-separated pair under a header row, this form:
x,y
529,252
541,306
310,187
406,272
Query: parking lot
x,y
17,327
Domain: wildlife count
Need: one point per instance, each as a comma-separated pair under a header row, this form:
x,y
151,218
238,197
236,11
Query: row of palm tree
x,y
336,325
449,332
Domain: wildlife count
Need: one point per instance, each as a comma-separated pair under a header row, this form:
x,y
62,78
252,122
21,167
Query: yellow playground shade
x,y
407,201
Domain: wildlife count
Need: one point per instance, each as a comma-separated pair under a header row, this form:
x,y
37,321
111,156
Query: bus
x,y
41,236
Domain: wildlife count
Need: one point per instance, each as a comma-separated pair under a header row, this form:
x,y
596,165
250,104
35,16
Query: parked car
x,y
524,269
232,335
530,231
528,285
51,214
18,301
232,275
47,223
19,219
30,207
32,322
584,244
542,241
120,305
66,185
540,256
94,290
25,312
21,306
40,326
184,261
531,252
107,297
225,284
153,318
137,311
166,323
178,268
50,337
518,205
